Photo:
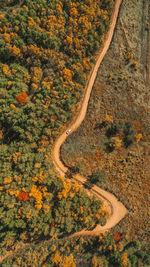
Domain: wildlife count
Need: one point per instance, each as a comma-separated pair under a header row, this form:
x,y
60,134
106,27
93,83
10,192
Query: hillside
x,y
112,146
47,50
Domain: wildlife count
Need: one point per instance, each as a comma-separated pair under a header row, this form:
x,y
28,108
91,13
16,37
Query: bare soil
x,y
122,91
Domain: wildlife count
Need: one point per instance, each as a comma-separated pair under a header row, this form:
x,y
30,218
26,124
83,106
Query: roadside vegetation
x,y
113,141
104,250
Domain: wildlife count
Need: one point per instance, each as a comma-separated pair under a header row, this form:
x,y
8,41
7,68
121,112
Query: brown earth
x,y
121,90
118,211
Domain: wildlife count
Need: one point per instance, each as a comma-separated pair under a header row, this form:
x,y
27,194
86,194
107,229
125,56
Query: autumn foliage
x,y
22,97
117,237
53,223
45,59
23,196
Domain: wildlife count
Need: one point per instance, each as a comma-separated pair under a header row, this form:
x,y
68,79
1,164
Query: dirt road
x,y
116,209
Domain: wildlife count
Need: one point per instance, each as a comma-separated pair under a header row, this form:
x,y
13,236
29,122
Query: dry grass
x,y
120,90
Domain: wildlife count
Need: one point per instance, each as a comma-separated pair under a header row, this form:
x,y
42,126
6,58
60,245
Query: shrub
x,y
128,140
109,146
97,176
113,130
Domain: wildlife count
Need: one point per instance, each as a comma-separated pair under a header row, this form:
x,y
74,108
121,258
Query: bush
x,y
97,177
128,140
109,146
113,130
102,220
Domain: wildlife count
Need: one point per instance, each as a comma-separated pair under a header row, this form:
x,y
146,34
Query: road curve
x,y
116,209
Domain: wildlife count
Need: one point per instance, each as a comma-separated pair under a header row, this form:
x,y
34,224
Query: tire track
x,y
116,208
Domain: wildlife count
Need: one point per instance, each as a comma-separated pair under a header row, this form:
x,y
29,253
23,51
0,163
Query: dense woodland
x,y
46,53
109,250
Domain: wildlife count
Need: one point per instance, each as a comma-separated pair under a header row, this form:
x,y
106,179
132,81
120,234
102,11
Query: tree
x,y
97,176
128,140
113,130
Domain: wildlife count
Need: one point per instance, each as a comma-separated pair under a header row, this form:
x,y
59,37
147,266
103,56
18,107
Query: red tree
x,y
117,237
22,97
53,223
24,196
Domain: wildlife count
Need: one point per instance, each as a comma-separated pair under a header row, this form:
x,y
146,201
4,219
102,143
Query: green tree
x,y
97,176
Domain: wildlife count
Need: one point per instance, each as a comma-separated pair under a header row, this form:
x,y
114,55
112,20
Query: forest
x,y
47,49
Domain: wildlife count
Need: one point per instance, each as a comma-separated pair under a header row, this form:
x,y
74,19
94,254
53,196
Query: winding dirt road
x,y
115,208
